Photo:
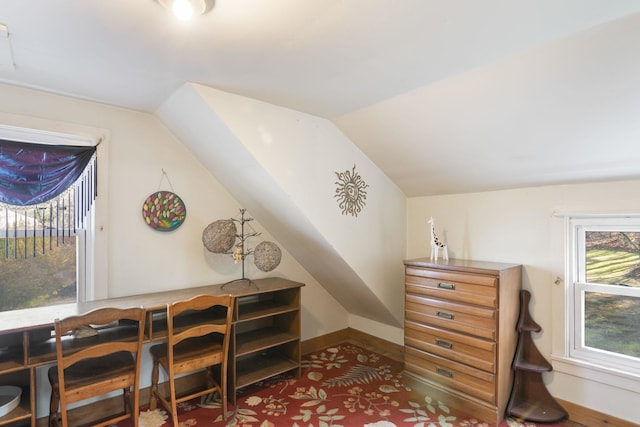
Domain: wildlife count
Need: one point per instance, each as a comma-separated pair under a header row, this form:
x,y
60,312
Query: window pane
x,y
612,323
46,279
613,257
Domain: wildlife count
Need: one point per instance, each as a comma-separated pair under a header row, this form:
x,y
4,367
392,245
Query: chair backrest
x,y
98,333
219,312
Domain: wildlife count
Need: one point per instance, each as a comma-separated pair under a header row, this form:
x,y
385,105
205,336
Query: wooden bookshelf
x,y
265,341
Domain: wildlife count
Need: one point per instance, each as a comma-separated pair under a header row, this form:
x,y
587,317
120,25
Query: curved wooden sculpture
x,y
530,400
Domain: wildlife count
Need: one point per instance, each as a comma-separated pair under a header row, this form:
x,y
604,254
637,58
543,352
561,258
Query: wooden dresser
x,y
460,332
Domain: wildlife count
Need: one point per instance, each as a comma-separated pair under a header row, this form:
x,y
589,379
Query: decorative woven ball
x,y
219,236
266,256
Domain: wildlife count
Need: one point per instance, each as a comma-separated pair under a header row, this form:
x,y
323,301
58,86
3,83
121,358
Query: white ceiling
x,y
445,96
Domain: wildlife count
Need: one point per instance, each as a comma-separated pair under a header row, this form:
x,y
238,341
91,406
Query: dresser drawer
x,y
461,348
473,382
472,320
467,288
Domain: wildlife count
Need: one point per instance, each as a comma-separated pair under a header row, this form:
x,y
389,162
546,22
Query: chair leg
x,y
130,404
223,392
222,387
54,404
209,380
172,398
126,397
153,396
135,415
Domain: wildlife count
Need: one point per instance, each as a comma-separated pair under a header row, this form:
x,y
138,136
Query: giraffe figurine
x,y
436,244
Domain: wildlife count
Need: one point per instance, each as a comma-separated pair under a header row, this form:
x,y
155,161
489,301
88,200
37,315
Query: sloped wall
x,y
281,165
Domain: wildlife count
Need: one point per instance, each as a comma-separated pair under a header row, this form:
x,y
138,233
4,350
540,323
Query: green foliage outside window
x,y
612,322
45,279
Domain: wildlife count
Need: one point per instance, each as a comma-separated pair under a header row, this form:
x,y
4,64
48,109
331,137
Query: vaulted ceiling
x,y
444,96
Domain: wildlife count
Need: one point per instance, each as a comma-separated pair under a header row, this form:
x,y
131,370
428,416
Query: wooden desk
x,y
265,340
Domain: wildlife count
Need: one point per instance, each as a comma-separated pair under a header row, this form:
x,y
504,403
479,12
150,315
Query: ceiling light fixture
x,y
184,10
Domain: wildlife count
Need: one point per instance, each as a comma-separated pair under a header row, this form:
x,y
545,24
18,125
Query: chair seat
x,y
94,370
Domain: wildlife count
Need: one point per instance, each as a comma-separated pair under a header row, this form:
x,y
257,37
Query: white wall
x,y
140,259
519,226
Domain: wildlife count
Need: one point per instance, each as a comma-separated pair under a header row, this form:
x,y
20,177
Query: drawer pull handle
x,y
444,372
445,315
445,285
443,343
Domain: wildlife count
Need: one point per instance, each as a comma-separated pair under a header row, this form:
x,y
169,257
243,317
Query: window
x,y
604,291
32,275
69,270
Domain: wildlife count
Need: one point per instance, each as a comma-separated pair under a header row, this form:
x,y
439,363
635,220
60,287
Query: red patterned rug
x,y
340,386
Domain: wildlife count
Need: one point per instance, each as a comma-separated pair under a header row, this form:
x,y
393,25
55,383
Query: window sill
x,y
599,373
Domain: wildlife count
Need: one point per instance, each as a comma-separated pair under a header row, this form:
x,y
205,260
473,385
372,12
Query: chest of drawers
x,y
460,332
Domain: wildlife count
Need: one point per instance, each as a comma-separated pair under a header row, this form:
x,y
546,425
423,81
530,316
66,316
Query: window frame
x,y
92,241
576,287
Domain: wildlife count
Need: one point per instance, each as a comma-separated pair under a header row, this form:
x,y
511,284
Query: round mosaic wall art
x,y
164,211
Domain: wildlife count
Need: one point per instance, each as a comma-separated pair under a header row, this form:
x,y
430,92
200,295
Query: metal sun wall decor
x,y
222,237
350,192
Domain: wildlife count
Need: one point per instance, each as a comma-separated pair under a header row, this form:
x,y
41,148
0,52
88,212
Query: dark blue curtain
x,y
36,173
45,192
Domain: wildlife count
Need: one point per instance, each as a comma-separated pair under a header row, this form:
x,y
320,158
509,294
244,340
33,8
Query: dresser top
x,y
485,267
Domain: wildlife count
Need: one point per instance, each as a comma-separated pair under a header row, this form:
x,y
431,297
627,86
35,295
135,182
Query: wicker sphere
x,y
266,256
219,236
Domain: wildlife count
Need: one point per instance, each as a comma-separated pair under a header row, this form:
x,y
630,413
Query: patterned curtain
x,y
45,191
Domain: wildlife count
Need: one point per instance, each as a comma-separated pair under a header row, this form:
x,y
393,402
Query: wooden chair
x,y
97,353
193,346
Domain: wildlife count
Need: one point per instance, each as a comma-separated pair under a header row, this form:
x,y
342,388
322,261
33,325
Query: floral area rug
x,y
340,386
